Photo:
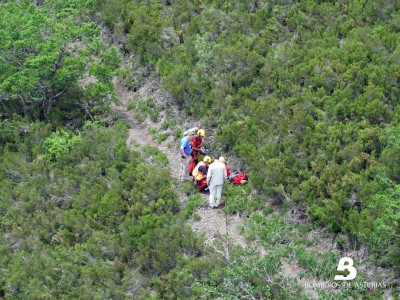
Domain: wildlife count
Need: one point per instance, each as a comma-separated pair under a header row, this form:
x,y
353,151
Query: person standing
x,y
184,153
197,145
228,172
216,176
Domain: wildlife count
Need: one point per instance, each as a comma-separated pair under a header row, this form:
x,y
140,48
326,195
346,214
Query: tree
x,y
44,54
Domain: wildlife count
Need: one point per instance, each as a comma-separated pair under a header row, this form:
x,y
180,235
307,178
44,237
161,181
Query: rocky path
x,y
213,222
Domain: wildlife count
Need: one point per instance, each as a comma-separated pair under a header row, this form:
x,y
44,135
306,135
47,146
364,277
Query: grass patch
x,y
189,188
236,199
178,133
148,108
139,117
273,231
196,217
168,123
267,210
162,137
194,202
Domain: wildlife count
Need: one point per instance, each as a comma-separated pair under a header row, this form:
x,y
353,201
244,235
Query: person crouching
x,y
200,173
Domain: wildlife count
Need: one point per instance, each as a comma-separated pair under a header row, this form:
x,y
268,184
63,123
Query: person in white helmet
x,y
228,172
184,153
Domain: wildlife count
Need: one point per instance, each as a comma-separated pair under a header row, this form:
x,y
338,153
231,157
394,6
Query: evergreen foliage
x,y
45,55
306,91
86,222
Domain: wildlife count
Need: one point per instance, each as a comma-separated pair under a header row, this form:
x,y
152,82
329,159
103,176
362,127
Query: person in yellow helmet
x,y
200,172
197,145
201,132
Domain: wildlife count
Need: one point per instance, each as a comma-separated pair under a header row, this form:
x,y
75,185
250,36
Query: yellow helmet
x,y
207,159
201,132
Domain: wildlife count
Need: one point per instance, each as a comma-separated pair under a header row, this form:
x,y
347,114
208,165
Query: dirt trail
x,y
213,223
138,134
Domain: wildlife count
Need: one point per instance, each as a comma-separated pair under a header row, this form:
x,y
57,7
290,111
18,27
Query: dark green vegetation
x,y
44,56
81,215
306,91
82,221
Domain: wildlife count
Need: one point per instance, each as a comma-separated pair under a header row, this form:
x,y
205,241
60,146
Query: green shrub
x,y
195,201
131,105
58,145
236,199
162,137
157,156
267,211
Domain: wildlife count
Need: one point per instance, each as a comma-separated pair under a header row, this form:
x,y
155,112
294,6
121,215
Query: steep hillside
x,y
301,94
301,258
305,91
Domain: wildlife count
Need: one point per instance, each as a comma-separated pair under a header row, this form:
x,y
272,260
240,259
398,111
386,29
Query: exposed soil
x,y
213,222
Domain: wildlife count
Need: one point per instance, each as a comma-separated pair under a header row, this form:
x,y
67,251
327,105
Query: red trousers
x,y
202,184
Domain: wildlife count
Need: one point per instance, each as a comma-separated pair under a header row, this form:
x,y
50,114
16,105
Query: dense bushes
x,y
84,224
306,91
81,216
96,220
43,66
